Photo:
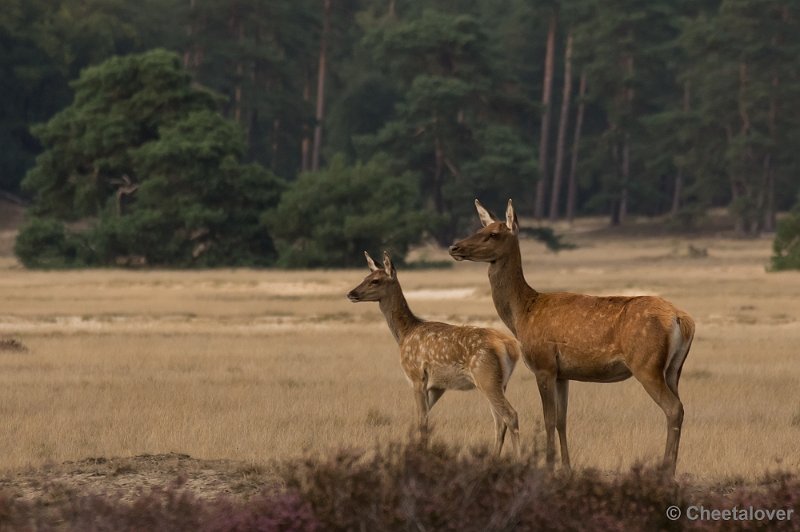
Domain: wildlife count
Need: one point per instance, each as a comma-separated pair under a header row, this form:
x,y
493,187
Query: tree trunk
x,y
615,157
626,149
738,223
276,131
562,130
305,145
238,27
572,189
187,54
769,210
541,186
321,72
626,174
438,198
739,193
444,235
677,191
768,219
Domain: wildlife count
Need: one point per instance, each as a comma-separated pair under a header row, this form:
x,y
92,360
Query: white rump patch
x,y
677,349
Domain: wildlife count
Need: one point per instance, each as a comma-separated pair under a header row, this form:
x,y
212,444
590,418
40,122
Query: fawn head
x,y
375,285
492,241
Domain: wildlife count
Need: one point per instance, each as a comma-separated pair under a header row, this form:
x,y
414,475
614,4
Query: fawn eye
x,y
374,281
493,235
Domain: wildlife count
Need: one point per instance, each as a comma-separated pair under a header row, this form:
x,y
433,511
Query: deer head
x,y
494,240
375,285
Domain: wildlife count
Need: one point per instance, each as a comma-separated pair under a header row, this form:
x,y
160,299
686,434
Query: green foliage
x,y
45,243
44,44
329,218
276,45
737,64
502,164
786,246
118,106
150,160
696,93
449,126
548,237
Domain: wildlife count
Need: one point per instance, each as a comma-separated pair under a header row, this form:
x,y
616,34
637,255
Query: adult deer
x,y
436,356
579,337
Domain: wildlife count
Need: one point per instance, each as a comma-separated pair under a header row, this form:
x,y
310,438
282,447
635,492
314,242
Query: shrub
x,y
143,153
413,487
171,508
45,243
786,246
329,218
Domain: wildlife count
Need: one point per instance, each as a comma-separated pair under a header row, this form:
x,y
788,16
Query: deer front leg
x,y
421,398
547,390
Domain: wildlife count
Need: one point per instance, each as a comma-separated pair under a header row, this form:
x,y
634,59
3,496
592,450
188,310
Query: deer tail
x,y
686,324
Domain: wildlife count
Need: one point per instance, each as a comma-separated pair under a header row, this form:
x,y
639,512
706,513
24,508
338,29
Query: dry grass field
x,y
250,366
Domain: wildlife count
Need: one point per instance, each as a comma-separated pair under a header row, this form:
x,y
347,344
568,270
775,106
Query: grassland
x,y
252,366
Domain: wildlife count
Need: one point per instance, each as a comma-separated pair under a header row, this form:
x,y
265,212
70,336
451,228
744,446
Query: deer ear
x,y
511,218
370,262
388,267
485,216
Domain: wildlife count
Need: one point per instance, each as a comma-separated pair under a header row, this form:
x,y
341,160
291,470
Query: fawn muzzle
x,y
353,296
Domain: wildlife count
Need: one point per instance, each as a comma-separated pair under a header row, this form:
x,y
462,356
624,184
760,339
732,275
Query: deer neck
x,y
511,294
397,313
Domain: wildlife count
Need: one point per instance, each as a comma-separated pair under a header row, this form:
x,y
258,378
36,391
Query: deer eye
x,y
493,235
374,281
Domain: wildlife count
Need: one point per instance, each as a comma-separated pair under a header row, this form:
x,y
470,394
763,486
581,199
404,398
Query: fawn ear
x,y
485,216
370,262
511,218
388,267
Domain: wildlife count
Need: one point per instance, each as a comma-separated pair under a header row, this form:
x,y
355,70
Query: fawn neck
x,y
511,294
397,313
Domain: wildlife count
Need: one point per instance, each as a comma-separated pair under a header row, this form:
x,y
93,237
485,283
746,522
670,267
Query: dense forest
x,y
258,132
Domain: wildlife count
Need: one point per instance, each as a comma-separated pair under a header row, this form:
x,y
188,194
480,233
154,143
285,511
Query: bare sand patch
x,y
438,294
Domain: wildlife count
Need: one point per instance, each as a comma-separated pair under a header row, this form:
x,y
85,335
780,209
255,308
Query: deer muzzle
x,y
456,253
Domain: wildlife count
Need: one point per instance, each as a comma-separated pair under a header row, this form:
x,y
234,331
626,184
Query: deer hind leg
x,y
488,378
547,390
499,431
502,408
672,373
669,402
562,395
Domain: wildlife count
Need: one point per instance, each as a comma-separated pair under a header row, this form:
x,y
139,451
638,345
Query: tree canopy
x,y
613,107
157,171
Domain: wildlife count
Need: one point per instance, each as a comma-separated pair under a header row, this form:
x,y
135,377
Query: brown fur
x,y
437,356
567,336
